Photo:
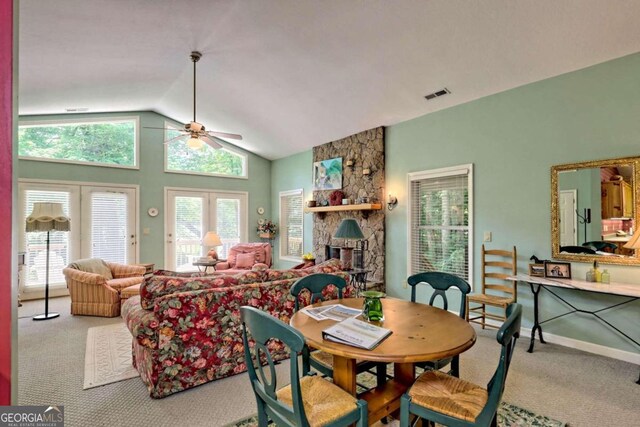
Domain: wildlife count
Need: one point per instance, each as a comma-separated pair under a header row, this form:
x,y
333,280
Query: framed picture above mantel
x,y
327,174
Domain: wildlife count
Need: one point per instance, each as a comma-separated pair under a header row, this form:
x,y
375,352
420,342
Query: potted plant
x,y
267,229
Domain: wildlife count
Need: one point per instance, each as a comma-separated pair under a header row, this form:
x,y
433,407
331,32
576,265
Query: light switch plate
x,y
487,236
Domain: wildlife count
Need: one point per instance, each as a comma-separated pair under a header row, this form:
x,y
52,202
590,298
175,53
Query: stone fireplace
x,y
366,152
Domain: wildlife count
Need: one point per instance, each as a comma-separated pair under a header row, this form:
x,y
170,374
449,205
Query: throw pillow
x,y
245,260
93,265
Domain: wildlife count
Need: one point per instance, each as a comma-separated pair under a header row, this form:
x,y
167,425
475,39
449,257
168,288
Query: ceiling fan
x,y
193,132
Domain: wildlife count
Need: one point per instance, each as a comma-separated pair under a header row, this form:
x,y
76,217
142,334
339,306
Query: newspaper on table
x,y
356,333
334,312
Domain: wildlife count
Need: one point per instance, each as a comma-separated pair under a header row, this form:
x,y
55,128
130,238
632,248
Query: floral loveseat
x,y
187,330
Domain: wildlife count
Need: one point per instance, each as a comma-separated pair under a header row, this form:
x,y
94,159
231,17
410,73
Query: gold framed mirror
x,y
594,212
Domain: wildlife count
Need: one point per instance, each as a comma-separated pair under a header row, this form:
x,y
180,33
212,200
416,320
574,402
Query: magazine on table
x,y
356,333
334,312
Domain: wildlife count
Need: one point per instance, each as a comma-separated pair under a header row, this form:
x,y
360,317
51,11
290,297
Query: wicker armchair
x,y
94,294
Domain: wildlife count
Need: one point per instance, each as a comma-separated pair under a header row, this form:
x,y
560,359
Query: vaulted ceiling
x,y
292,74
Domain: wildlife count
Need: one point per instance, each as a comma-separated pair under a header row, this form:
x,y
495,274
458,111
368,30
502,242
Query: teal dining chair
x,y
308,400
320,360
441,282
447,400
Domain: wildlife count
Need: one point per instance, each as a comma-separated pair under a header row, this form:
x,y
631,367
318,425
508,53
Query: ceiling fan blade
x,y
176,129
210,142
225,135
177,138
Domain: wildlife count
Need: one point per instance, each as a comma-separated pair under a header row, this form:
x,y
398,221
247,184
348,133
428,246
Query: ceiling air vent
x,y
76,110
441,92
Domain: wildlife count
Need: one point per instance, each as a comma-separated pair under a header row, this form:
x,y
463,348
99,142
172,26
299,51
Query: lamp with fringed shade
x,y
47,217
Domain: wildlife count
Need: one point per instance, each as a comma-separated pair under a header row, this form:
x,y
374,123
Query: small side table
x,y
148,268
204,265
358,279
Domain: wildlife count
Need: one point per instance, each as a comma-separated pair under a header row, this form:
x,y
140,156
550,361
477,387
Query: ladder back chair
x,y
443,399
320,360
496,291
440,282
307,401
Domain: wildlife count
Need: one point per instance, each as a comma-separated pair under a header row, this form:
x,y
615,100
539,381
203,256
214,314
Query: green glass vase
x,y
372,307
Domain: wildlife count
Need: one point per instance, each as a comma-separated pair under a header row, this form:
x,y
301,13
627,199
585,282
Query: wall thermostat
x,y
152,212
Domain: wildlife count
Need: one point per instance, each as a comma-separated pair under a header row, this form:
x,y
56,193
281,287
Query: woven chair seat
x,y
326,359
449,395
490,299
323,402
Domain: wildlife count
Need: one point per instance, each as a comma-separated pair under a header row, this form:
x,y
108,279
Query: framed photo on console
x,y
557,270
536,270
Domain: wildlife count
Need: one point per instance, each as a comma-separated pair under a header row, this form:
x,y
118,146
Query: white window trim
x,y
466,169
135,119
244,195
282,194
227,147
75,232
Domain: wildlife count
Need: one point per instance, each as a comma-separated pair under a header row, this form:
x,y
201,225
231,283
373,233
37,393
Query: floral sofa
x,y
187,330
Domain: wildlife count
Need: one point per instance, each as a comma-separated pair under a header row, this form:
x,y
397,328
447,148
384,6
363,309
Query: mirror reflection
x,y
593,211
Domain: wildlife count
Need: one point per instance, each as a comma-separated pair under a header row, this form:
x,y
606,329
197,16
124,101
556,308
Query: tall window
x,y
35,246
100,142
440,221
205,161
291,230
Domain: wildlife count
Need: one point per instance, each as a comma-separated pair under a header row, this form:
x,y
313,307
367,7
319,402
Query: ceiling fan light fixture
x,y
195,143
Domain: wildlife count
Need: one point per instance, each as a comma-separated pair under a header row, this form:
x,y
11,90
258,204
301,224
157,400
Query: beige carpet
x,y
578,388
108,356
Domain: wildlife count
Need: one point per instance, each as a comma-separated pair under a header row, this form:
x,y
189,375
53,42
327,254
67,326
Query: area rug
x,y
508,416
108,356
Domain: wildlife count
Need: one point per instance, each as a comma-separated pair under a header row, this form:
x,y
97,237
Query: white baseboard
x,y
589,347
614,353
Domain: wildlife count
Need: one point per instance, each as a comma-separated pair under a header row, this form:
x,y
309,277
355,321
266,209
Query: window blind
x,y
188,231
440,225
109,234
291,224
227,224
36,242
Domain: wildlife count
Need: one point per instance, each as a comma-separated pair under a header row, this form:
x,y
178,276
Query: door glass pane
x,y
188,228
228,224
36,242
109,234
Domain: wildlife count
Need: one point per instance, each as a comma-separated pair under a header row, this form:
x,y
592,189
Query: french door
x,y
190,214
109,224
103,225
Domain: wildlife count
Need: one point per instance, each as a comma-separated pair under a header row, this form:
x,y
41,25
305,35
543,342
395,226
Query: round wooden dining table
x,y
420,333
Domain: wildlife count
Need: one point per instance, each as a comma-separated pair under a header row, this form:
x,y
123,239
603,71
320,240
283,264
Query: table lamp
x,y
348,230
47,217
212,240
634,241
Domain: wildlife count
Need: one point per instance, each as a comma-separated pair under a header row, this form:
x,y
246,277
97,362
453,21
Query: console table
x,y
632,292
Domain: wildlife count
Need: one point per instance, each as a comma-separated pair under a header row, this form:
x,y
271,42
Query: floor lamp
x,y
47,217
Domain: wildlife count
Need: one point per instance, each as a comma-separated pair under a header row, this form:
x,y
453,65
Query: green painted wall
x,y
513,138
152,179
292,173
